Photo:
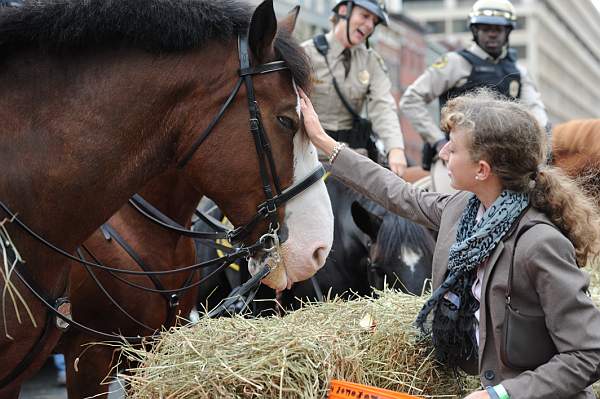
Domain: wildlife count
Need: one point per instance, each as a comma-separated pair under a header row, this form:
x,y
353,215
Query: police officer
x,y
361,78
487,62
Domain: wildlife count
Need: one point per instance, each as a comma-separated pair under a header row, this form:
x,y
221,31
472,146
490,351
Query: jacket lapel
x,y
491,263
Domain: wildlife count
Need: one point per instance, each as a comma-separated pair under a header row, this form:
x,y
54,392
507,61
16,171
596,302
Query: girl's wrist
x,y
325,143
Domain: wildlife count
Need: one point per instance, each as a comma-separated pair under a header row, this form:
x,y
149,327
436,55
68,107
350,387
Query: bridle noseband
x,y
274,195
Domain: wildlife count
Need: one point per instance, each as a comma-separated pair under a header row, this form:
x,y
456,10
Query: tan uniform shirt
x,y
367,69
452,70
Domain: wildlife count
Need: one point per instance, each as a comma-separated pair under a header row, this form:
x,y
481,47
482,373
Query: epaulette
x,y
379,59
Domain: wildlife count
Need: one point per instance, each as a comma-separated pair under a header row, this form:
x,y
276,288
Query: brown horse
x,y
576,150
96,100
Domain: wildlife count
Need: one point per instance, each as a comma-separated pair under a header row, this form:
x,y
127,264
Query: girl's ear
x,y
484,170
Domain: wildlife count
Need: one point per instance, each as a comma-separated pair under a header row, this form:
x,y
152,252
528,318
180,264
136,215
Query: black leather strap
x,y
318,41
159,218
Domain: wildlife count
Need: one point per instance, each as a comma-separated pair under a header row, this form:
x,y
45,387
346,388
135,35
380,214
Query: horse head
x,y
257,150
400,251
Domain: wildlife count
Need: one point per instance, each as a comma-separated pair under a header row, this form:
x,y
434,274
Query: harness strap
x,y
239,253
37,347
31,355
133,254
263,68
105,292
154,215
251,286
192,150
211,221
73,323
240,233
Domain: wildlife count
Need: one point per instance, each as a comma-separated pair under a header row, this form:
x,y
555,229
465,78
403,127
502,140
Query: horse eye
x,y
286,122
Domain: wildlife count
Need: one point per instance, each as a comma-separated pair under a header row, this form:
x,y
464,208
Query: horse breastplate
x,y
503,77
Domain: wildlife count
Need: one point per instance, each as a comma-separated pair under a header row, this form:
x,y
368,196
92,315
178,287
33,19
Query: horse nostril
x,y
320,254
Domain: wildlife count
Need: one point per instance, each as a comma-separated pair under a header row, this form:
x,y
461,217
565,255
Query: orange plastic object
x,y
349,390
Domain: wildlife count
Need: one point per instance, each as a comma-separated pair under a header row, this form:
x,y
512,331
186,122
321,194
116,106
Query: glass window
x,y
521,23
521,52
436,26
459,25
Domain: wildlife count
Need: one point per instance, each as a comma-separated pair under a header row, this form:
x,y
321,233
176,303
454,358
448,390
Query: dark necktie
x,y
346,61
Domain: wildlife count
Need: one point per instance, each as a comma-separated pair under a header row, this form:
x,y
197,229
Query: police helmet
x,y
493,12
376,7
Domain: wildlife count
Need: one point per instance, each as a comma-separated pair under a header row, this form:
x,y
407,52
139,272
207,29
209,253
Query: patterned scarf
x,y
453,303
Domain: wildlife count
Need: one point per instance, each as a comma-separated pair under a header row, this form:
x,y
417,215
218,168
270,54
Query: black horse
x,y
372,249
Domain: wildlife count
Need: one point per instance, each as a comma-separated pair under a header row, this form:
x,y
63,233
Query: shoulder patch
x,y
380,61
440,62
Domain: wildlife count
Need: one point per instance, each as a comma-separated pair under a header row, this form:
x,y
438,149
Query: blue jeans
x,y
59,361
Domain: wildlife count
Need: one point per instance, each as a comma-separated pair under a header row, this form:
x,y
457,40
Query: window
x,y
521,52
521,23
436,26
459,25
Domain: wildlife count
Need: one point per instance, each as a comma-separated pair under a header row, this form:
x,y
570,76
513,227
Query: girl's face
x,y
462,169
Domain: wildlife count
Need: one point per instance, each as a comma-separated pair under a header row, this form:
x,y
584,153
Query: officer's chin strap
x,y
349,7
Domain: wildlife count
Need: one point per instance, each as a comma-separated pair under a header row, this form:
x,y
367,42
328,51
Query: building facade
x,y
557,41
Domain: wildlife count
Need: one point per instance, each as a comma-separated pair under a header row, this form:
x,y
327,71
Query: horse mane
x,y
395,230
156,26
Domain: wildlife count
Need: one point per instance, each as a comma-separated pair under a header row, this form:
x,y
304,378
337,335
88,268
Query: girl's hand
x,y
478,395
313,127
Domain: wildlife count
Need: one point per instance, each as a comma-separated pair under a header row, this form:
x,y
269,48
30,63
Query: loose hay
x,y
368,341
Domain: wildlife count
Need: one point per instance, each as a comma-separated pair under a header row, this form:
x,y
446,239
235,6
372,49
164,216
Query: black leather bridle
x,y
274,198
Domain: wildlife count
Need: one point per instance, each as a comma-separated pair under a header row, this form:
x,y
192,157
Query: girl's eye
x,y
286,122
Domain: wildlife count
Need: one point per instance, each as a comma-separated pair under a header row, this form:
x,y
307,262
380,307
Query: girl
x,y
495,159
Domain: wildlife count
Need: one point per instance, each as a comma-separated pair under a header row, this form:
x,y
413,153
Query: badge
x,y
364,77
440,62
513,88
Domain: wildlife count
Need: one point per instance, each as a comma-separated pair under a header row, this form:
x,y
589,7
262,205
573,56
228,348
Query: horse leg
x,y
87,367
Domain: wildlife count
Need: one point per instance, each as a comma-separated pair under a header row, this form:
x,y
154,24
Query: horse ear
x,y
263,28
366,221
289,22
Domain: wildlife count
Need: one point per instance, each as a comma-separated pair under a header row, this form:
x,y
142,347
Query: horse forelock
x,y
153,25
289,50
397,233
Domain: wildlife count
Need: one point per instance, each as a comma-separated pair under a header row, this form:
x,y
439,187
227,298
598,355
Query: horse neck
x,y
173,195
100,119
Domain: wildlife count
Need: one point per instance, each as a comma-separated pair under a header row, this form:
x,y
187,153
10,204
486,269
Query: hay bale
x,y
368,341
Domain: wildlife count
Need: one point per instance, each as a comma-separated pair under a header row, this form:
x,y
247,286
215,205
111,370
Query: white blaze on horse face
x,y
410,257
308,217
309,222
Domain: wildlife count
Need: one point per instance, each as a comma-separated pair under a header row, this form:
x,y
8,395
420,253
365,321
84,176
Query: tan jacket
x,y
546,282
366,70
452,70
